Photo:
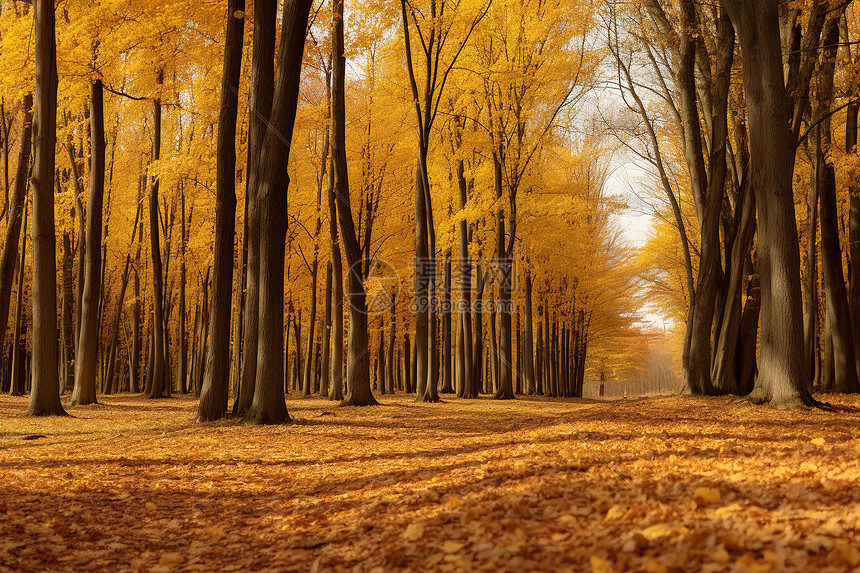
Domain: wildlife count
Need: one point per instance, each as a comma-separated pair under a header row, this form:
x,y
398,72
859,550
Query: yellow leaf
x,y
656,531
817,441
413,532
720,555
599,565
615,512
654,566
452,546
707,495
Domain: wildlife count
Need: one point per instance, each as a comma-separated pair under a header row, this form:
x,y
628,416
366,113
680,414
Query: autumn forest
x,y
501,284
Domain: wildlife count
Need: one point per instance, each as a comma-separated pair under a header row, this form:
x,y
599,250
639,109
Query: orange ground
x,y
660,484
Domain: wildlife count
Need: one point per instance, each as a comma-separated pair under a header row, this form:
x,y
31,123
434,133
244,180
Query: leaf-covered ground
x,y
659,484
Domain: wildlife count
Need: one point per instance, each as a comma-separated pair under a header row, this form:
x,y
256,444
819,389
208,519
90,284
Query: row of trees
x,y
735,108
172,122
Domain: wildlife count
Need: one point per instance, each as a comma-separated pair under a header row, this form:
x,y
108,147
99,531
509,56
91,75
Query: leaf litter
x,y
659,484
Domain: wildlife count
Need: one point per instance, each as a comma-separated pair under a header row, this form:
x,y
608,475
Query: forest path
x,y
657,484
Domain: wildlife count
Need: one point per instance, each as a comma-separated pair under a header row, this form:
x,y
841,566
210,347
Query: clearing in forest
x,y
655,484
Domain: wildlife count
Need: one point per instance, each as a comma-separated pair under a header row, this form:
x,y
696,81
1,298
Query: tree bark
x,y
14,219
358,367
268,405
782,373
87,349
45,383
156,389
261,98
213,394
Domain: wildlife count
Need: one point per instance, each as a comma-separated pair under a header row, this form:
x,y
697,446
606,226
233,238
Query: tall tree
x,y
358,349
15,211
213,395
260,103
157,370
87,348
45,385
268,405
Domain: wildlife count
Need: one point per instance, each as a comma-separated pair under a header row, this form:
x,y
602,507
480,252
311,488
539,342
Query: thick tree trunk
x,y
260,101
88,343
336,296
213,394
853,232
268,404
782,376
45,382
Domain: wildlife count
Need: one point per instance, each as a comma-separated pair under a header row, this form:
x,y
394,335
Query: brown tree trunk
x,y
358,371
45,382
325,358
213,394
88,343
156,374
260,100
528,341
14,217
268,405
17,375
782,374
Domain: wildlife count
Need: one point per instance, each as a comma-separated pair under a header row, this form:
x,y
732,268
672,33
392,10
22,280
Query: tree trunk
x,y
308,372
182,335
782,373
45,382
156,375
260,100
268,405
17,375
447,387
15,218
853,232
213,394
528,341
325,359
88,343
358,371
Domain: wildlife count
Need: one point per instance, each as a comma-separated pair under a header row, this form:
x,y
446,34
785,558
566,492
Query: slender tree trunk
x,y
325,368
392,365
45,383
447,387
14,217
261,97
308,371
156,374
853,232
182,351
213,394
88,343
17,376
358,371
